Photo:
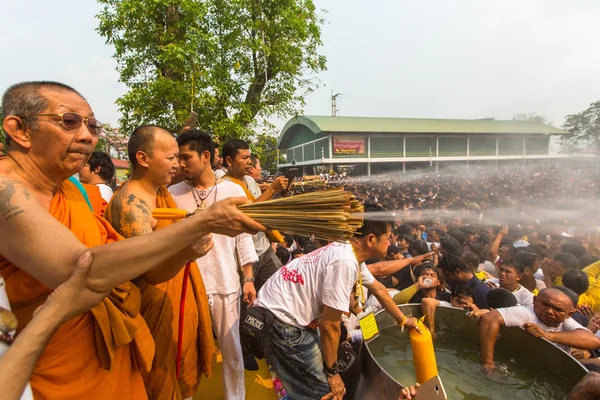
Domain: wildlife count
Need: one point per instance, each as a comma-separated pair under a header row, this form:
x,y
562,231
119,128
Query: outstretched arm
x,y
37,243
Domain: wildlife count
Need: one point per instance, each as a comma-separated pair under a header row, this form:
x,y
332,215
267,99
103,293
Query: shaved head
x,y
142,139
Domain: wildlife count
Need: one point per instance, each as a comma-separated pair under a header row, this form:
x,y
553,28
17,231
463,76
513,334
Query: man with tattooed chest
x,y
46,225
153,153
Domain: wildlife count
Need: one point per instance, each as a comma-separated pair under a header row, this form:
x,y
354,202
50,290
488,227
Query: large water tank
x,y
525,353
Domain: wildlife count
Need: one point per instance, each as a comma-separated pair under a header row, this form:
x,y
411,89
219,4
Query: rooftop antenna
x,y
334,108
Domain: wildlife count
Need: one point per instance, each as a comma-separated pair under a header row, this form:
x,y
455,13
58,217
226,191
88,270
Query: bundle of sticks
x,y
315,184
327,214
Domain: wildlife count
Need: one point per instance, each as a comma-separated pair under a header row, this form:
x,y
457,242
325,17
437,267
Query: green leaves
x,y
584,128
231,61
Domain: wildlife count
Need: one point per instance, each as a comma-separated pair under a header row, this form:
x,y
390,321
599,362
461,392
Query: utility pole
x,y
334,109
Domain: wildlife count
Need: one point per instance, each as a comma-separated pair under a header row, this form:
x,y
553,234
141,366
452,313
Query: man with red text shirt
x,y
318,286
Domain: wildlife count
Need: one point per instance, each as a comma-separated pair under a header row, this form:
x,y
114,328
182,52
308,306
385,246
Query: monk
x,y
46,225
153,153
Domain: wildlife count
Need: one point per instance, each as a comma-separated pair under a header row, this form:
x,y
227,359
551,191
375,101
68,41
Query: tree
x,y
230,61
533,117
584,129
112,141
265,148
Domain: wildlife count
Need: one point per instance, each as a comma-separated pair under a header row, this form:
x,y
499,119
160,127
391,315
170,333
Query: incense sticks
x,y
326,214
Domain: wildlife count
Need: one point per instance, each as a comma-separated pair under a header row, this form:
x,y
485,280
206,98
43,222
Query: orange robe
x,y
160,309
98,203
97,355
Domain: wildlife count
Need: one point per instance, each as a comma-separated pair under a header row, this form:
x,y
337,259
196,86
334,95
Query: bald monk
x,y
46,225
153,153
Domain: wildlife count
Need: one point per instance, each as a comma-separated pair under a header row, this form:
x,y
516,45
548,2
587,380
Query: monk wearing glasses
x,y
46,225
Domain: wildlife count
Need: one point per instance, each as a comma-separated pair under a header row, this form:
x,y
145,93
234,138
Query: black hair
x,y
102,160
471,259
464,291
576,280
451,262
518,267
142,139
587,260
393,249
500,298
526,258
541,250
570,293
404,229
231,148
198,141
484,239
574,248
459,236
406,237
309,247
254,160
376,221
289,240
282,254
569,261
418,248
420,270
450,245
297,252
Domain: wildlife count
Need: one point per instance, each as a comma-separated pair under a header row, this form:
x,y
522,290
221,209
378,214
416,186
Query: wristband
x,y
248,280
403,321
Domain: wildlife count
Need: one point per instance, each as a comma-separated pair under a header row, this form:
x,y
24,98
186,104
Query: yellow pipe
x,y
423,353
170,213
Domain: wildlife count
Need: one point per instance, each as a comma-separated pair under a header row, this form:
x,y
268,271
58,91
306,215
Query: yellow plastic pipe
x,y
423,353
170,213
175,213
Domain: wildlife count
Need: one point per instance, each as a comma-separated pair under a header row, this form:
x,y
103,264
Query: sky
x,y
393,58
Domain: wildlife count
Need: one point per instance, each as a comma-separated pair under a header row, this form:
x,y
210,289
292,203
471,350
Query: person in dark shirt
x,y
455,272
436,290
405,277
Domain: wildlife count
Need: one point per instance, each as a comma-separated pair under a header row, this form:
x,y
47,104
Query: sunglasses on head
x,y
72,121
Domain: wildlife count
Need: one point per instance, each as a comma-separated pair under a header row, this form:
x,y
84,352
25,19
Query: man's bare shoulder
x,y
12,194
130,214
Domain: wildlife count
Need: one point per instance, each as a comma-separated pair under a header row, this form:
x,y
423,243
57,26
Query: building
x,y
121,170
375,145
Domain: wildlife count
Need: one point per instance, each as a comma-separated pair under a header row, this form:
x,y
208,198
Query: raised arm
x,y
384,268
495,246
36,242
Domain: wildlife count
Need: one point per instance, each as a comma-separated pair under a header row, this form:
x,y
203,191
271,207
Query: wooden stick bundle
x,y
326,214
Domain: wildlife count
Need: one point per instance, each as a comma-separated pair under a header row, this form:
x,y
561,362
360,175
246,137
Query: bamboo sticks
x,y
325,214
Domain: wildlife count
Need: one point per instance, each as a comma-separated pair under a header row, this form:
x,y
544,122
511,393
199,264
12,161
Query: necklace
x,y
198,195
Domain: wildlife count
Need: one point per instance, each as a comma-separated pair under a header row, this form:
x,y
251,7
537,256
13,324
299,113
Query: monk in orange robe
x,y
98,203
154,161
46,225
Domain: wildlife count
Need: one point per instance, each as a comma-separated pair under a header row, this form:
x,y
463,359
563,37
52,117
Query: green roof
x,y
319,124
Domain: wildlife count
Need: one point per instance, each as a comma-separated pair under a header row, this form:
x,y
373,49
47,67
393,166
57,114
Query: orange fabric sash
x,y
249,195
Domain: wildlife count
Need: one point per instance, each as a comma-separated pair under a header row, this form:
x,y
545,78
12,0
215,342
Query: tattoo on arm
x,y
131,215
9,208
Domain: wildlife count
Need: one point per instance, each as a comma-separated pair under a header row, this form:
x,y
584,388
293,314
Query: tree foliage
x,y
113,141
533,117
584,128
265,148
230,61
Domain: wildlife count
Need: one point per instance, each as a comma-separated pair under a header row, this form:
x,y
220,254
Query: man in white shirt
x,y
549,317
236,158
99,171
219,267
509,275
318,287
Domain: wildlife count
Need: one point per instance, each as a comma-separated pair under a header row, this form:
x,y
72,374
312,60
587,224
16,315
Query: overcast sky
x,y
429,59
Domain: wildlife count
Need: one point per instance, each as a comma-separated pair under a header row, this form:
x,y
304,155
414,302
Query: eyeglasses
x,y
72,121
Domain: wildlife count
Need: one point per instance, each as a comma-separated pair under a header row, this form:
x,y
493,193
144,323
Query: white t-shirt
x,y
489,268
519,316
374,303
539,274
298,292
105,191
221,172
220,266
524,296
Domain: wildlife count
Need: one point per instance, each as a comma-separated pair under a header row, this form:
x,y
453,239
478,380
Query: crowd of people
x,y
116,297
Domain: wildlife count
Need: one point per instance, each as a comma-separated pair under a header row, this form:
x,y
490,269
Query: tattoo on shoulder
x,y
8,205
131,215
